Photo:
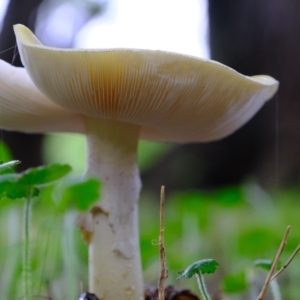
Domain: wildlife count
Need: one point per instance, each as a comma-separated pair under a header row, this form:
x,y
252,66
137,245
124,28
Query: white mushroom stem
x,y
114,255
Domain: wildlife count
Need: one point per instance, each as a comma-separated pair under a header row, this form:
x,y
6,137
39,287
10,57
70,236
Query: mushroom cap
x,y
23,107
172,97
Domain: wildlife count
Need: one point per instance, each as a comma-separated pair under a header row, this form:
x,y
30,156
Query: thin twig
x,y
162,254
274,265
287,263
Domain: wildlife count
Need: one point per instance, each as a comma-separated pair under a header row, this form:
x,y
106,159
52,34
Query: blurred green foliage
x,y
27,186
234,225
5,154
235,283
73,152
79,195
235,232
197,225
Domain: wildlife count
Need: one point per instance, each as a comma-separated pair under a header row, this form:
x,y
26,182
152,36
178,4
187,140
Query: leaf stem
x,y
201,286
26,253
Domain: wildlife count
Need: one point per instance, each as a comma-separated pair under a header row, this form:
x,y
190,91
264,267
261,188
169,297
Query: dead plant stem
x,y
287,263
274,265
162,253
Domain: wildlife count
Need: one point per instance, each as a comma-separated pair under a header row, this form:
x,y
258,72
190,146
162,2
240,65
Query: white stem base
x,y
112,276
114,256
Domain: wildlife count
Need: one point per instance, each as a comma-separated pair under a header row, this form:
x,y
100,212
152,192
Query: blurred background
x,y
235,195
249,36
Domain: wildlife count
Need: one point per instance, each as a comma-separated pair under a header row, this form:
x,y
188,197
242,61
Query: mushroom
x,y
115,97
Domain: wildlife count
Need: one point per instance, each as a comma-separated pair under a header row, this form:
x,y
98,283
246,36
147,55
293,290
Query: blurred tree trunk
x,y
253,37
24,147
262,37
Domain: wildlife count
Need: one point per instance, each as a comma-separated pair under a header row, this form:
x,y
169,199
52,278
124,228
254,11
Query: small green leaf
x,y
12,189
18,191
7,182
44,175
266,264
9,164
25,185
204,266
81,195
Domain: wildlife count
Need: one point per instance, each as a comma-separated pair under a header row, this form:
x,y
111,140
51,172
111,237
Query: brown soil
x,y
151,293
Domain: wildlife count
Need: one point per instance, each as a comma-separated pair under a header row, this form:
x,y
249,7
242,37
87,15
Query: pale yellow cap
x,y
173,97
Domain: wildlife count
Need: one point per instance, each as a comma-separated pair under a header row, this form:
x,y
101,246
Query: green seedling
x,y
204,266
266,264
77,195
27,186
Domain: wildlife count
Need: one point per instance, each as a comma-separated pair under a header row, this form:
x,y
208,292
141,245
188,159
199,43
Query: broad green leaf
x,y
204,266
44,175
235,283
9,177
25,185
80,196
12,189
18,191
7,182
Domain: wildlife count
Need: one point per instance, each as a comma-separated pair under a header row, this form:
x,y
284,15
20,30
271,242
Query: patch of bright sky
x,y
58,27
3,6
171,25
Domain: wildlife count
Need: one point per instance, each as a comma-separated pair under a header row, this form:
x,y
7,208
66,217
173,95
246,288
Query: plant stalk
x,y
26,251
201,286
